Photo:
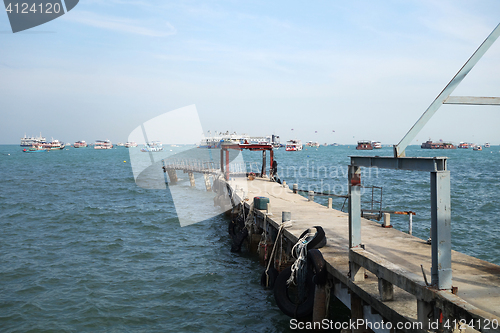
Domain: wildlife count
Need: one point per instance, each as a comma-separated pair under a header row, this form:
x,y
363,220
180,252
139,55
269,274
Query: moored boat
x,y
463,145
293,145
314,144
30,141
364,145
35,148
103,144
152,146
437,145
80,144
53,145
130,144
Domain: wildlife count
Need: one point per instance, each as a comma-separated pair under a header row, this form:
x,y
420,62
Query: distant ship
x,y
364,145
80,144
103,144
437,145
376,145
293,145
30,141
463,145
152,146
130,144
312,144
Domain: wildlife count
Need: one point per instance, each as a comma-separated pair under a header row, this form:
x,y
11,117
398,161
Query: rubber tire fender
x,y
319,239
317,265
289,308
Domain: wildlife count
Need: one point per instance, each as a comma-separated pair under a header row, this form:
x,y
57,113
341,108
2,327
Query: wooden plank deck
x,y
478,281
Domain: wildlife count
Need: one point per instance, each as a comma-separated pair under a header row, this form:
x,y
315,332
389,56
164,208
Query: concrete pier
x,y
383,277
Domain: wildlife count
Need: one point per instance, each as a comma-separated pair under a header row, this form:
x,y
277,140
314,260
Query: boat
x,y
152,146
103,144
30,141
53,145
437,145
364,145
477,147
293,145
35,148
487,145
314,144
130,144
463,145
376,145
120,144
80,144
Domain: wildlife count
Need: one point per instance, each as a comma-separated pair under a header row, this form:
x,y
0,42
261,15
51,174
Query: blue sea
x,y
84,249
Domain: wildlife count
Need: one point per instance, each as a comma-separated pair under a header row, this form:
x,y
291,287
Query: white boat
x,y
152,146
293,145
120,144
103,144
477,147
314,144
376,145
130,144
53,145
30,141
487,145
80,144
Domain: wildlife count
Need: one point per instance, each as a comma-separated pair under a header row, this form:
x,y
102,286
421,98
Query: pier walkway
x,y
390,258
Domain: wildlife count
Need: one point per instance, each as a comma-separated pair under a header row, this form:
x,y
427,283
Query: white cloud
x,y
120,24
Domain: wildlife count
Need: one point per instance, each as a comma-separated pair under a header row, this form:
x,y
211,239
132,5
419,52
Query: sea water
x,y
84,249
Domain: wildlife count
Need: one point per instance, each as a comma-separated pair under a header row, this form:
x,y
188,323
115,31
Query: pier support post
x,y
208,184
354,206
425,313
320,308
172,175
441,275
386,290
357,313
330,202
191,179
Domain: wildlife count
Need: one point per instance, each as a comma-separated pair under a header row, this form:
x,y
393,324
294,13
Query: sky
x,y
327,71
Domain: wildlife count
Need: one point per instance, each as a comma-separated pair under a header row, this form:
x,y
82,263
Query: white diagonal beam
x,y
399,149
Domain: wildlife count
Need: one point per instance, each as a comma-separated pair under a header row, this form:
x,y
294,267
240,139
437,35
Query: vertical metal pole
x,y
263,172
222,161
410,224
227,164
354,206
271,156
441,230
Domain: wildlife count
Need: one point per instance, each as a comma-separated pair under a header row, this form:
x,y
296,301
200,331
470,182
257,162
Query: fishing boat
x,y
376,145
103,144
152,146
364,145
30,141
293,145
487,145
130,144
477,147
80,144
